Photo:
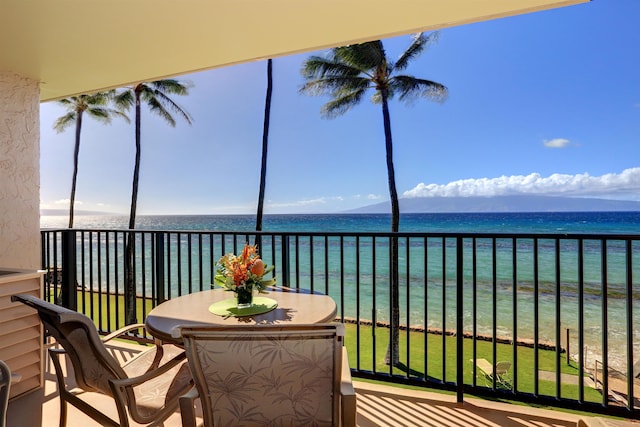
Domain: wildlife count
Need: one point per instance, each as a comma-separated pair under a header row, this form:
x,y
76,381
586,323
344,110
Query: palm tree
x,y
265,144
157,96
95,105
346,74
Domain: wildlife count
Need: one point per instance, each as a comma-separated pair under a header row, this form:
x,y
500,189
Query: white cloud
x,y
58,204
306,202
318,204
625,185
556,143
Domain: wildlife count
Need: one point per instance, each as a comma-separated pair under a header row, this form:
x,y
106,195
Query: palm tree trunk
x,y
136,170
74,180
265,145
393,350
130,286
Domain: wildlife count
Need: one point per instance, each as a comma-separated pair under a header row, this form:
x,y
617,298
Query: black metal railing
x,y
559,309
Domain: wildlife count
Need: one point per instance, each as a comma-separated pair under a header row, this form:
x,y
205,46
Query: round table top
x,y
294,307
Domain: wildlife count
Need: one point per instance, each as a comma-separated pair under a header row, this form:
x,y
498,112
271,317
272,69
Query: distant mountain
x,y
502,204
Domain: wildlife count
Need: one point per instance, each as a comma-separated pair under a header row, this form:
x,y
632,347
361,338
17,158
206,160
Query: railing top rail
x,y
402,234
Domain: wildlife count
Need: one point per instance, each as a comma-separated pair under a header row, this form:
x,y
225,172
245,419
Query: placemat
x,y
229,307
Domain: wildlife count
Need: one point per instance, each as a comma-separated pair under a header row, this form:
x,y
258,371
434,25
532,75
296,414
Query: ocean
x,y
542,222
441,275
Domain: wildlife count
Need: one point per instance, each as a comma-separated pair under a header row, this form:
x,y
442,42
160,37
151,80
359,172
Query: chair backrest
x,y
5,385
250,375
76,333
502,368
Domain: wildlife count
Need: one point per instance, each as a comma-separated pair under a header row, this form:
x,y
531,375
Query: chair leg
x,y
63,411
187,412
122,412
67,397
54,354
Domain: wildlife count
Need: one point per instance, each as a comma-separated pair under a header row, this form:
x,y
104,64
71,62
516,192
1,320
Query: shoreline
x,y
525,342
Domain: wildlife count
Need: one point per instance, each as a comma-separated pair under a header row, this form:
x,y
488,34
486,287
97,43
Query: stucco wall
x,y
19,172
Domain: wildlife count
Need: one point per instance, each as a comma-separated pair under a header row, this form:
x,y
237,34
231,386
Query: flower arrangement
x,y
244,272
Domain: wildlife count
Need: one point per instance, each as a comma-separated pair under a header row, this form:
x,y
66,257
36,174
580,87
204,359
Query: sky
x,y
545,103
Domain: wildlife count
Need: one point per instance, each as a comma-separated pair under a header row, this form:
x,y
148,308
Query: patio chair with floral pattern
x,y
269,375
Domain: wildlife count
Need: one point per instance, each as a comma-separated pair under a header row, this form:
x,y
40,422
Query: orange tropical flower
x,y
243,271
258,267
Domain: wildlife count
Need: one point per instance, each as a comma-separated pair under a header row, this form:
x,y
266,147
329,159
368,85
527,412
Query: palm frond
x,y
317,67
171,86
65,121
331,85
105,115
95,105
419,44
66,102
410,88
155,95
121,114
101,114
124,100
159,109
364,56
109,94
170,104
349,71
341,104
100,98
145,90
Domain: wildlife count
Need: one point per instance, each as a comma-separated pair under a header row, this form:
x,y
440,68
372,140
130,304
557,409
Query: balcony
x,y
559,308
378,405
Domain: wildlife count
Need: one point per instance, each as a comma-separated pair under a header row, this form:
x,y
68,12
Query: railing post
x,y
68,289
286,267
159,268
459,321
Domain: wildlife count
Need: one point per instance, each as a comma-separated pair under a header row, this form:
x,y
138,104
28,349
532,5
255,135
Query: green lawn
x,y
434,358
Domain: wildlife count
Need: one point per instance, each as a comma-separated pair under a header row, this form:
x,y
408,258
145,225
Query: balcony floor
x,y
378,405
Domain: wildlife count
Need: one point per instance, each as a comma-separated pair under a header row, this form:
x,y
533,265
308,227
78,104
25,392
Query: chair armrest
x,y
134,381
123,389
122,331
187,408
347,393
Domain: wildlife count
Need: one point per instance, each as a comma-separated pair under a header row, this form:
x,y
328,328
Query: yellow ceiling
x,y
80,46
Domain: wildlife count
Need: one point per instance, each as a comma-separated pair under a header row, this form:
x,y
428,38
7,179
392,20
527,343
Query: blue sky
x,y
544,103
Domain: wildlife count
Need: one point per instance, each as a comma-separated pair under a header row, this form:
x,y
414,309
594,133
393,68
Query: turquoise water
x,y
545,222
429,277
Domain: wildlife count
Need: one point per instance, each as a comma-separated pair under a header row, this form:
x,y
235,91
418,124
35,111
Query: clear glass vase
x,y
244,297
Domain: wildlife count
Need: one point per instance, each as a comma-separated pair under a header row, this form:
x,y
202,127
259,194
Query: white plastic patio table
x,y
295,307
